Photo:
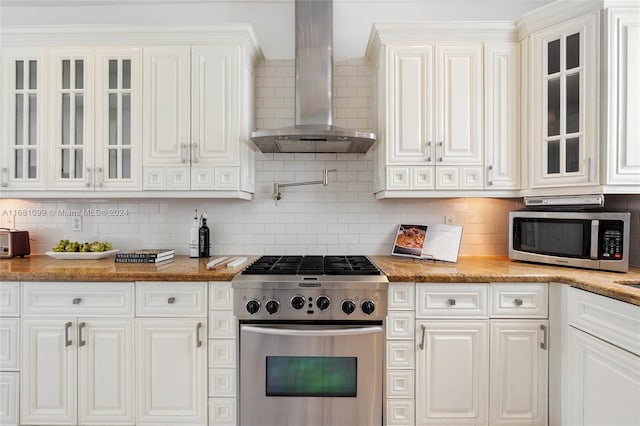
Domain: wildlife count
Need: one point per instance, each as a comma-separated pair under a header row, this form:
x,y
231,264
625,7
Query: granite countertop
x,y
397,269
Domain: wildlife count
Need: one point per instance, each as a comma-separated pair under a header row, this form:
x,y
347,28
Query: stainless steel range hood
x,y
313,130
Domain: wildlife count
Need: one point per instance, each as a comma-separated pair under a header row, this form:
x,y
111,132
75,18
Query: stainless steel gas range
x,y
311,341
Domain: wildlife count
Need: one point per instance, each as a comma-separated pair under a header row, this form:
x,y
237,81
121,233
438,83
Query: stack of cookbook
x,y
145,256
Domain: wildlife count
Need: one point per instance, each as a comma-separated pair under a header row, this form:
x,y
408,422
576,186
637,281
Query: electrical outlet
x,y
76,223
449,220
10,222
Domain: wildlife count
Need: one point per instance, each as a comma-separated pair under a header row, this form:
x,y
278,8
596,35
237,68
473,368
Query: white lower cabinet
x,y
77,368
170,371
519,372
603,360
452,369
171,354
77,371
481,354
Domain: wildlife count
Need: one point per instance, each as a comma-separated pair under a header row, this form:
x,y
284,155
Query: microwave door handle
x,y
313,333
595,227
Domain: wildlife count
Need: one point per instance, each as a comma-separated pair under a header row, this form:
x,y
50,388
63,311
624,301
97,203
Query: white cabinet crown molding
x,y
407,33
554,13
130,35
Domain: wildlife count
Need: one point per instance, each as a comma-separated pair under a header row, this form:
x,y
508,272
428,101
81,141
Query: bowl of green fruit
x,y
66,249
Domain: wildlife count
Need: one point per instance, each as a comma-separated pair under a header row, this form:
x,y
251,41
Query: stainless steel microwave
x,y
589,239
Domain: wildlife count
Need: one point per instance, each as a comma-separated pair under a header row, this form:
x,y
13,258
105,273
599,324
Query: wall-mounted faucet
x,y
325,181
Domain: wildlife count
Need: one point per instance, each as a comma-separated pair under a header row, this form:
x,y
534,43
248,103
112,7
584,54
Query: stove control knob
x,y
368,306
253,306
348,306
272,306
323,302
297,302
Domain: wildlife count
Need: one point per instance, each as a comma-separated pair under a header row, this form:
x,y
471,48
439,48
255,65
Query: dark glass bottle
x,y
204,242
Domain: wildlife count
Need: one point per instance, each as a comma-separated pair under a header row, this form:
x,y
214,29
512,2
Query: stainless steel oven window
x,y
315,376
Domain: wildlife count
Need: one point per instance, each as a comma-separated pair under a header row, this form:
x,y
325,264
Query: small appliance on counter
x,y
586,238
14,243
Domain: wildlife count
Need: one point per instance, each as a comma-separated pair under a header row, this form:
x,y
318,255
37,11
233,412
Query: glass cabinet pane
x,y
126,119
18,159
126,163
113,119
113,74
33,119
19,137
65,163
553,57
573,103
66,74
33,75
553,107
553,157
126,74
113,164
19,75
33,164
79,74
66,119
573,155
79,119
573,51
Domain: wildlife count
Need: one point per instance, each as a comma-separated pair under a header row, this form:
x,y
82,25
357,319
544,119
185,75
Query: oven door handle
x,y
311,333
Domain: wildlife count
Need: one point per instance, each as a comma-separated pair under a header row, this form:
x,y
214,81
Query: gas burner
x,y
312,265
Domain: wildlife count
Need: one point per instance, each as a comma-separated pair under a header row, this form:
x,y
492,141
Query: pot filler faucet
x,y
325,181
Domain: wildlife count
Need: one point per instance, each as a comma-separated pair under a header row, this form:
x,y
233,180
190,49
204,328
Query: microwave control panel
x,y
611,245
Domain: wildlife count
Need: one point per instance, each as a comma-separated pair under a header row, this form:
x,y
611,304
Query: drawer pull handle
x,y
77,300
198,341
67,341
81,342
424,329
452,302
517,302
171,300
543,344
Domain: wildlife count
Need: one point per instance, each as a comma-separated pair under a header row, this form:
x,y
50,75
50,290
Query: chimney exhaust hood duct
x,y
313,130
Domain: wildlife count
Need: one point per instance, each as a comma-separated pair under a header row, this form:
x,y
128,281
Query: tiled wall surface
x,y
342,218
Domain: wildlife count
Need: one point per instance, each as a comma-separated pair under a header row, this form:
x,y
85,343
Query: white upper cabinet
x,y
95,115
621,127
193,116
99,103
579,98
24,101
445,98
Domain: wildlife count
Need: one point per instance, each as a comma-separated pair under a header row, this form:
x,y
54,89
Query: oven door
x,y
311,374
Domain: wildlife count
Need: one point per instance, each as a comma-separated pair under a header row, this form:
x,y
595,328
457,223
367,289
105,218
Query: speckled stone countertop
x,y
397,269
483,269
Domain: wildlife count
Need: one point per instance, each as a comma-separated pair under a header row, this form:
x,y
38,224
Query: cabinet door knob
x,y
77,300
452,302
171,300
517,302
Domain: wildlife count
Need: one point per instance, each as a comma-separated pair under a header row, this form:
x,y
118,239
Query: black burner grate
x,y
312,265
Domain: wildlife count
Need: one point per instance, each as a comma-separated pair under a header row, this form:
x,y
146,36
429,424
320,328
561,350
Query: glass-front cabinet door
x,y
24,99
71,126
118,118
565,139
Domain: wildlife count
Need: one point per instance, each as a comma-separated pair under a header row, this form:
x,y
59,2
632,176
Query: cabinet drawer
x,y
9,299
72,299
611,320
220,295
175,299
9,391
518,300
402,297
452,300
